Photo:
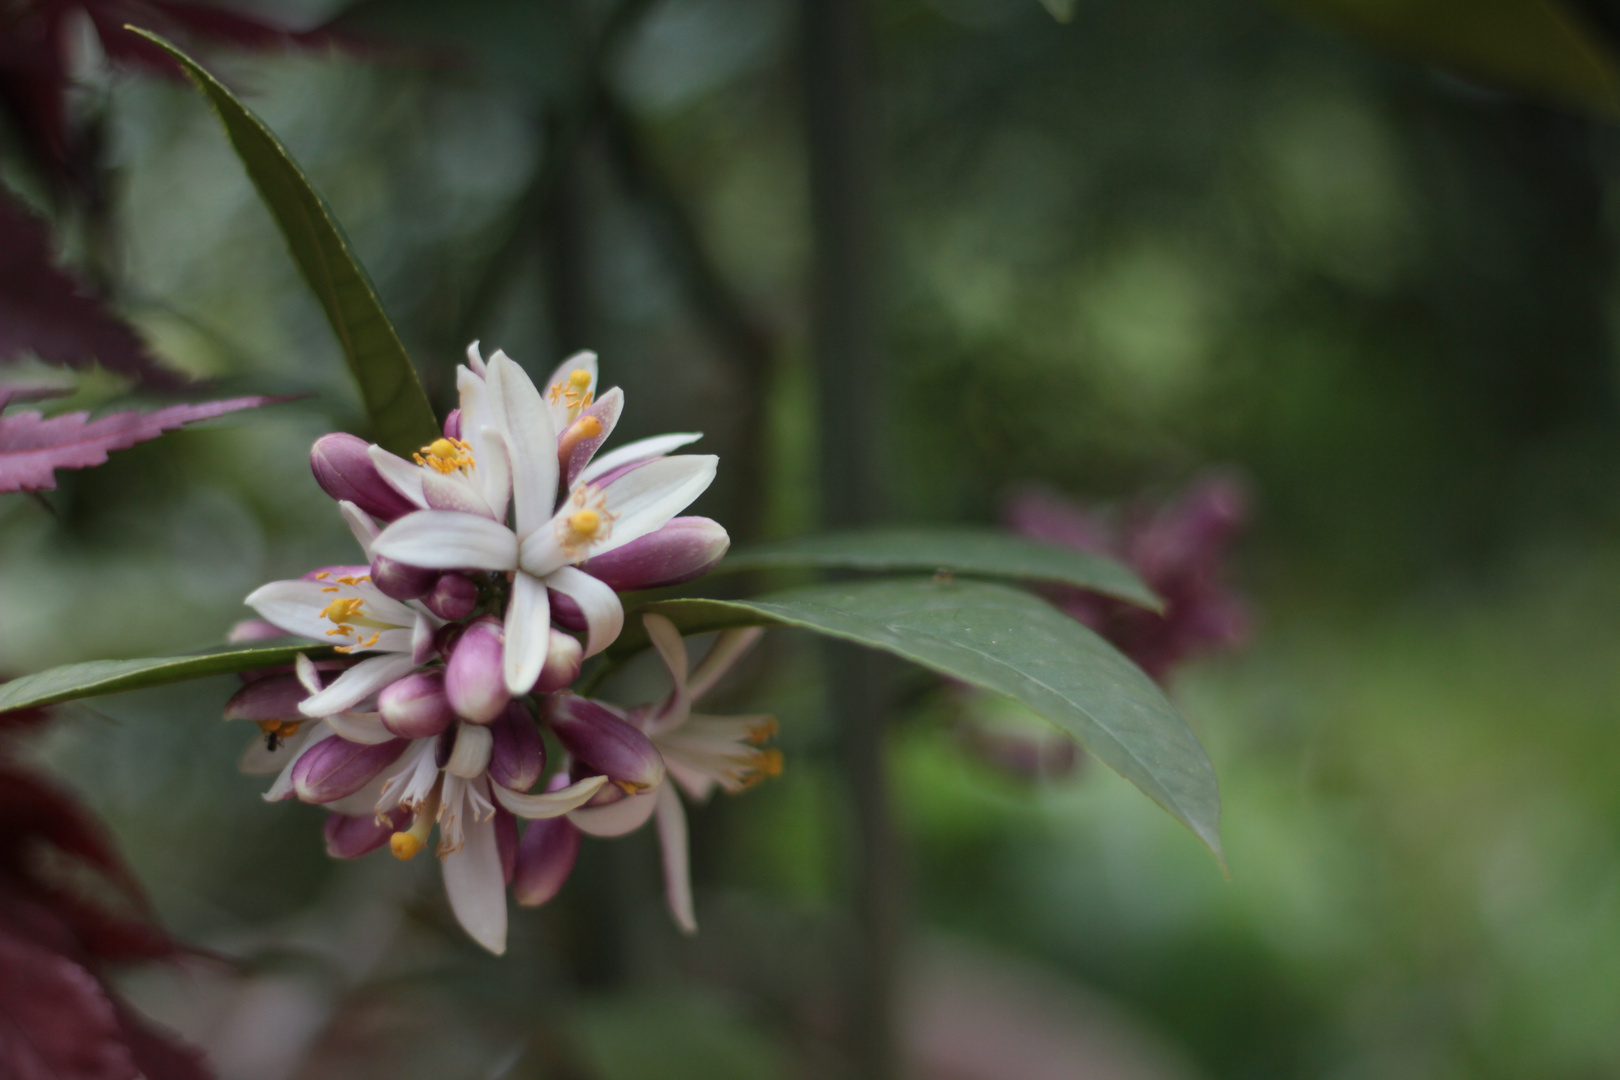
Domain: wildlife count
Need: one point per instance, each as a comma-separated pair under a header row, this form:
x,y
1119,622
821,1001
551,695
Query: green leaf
x,y
984,552
1001,639
1538,47
96,677
400,414
1061,10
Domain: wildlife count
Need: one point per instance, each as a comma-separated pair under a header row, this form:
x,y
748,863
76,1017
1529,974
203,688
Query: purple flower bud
x,y
344,470
416,706
506,841
275,697
685,548
545,858
519,754
565,612
611,746
401,581
452,598
335,767
473,678
452,424
564,655
351,836
253,630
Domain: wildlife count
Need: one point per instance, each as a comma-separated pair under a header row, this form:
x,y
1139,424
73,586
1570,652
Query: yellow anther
x,y
353,579
289,728
340,629
585,523
404,845
766,763
323,575
358,644
575,392
763,730
269,727
330,588
445,456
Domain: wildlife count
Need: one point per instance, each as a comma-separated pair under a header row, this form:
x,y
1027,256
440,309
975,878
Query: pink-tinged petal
x,y
604,743
559,379
253,630
474,679
545,858
506,842
616,819
550,804
518,756
649,496
401,581
368,799
528,634
672,650
727,649
423,635
606,414
273,698
349,836
452,598
361,527
336,767
282,787
635,453
677,871
401,475
364,728
531,443
452,423
416,707
446,540
683,549
33,447
358,683
604,615
564,655
475,882
343,468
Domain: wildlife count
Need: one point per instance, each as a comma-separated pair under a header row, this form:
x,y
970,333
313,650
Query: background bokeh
x,y
1160,236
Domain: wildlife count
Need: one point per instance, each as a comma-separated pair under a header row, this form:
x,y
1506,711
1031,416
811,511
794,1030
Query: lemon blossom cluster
x,y
495,556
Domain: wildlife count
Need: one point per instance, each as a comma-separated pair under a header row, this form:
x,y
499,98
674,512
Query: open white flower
x,y
610,503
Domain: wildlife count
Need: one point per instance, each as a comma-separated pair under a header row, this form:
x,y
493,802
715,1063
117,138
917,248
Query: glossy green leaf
x,y
1538,47
1001,639
96,677
983,552
401,417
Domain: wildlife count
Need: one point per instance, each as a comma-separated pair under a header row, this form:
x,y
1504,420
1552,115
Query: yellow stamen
x,y
445,456
590,523
575,392
330,588
323,575
340,631
406,843
761,731
766,763
586,427
342,609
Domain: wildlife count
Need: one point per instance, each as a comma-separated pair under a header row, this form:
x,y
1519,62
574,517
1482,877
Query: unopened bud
x,y
401,581
351,836
564,655
273,698
545,856
519,754
473,678
342,466
452,598
335,767
685,548
416,706
613,747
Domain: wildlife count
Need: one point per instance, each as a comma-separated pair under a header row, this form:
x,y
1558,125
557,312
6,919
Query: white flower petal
x,y
401,475
457,491
677,870
358,683
616,818
259,760
475,360
528,634
481,429
476,885
728,648
640,450
586,361
360,524
667,640
644,500
531,443
446,540
363,728
294,606
550,803
604,615
308,677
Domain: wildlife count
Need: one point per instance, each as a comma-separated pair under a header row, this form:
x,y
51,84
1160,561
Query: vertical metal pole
x,y
847,348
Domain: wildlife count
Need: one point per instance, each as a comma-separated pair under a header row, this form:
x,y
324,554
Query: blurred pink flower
x,y
1179,548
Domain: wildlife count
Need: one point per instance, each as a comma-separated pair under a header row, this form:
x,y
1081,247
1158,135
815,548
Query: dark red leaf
x,y
32,447
49,313
56,1020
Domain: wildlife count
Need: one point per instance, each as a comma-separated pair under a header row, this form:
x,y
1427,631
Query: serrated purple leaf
x,y
52,314
33,447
